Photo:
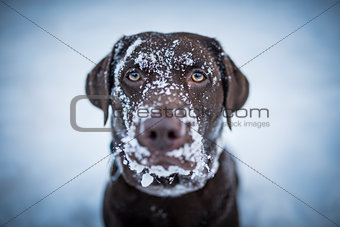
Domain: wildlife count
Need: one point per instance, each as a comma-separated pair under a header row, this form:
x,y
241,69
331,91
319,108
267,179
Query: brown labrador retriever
x,y
168,94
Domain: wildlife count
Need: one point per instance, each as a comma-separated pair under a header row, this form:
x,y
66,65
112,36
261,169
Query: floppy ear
x,y
98,82
236,88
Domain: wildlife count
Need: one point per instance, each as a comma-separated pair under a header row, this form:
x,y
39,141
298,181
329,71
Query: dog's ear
x,y
235,84
98,82
236,88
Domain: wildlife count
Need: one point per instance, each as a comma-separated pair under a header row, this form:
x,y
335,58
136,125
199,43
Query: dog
x,y
168,93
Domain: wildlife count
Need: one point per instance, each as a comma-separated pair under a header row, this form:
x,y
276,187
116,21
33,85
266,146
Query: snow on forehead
x,y
162,56
165,59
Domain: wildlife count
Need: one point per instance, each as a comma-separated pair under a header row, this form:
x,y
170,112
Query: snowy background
x,y
297,80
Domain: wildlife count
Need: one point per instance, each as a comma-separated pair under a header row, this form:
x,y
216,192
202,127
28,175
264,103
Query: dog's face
x,y
168,93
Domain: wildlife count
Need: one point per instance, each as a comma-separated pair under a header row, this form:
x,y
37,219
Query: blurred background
x,y
297,80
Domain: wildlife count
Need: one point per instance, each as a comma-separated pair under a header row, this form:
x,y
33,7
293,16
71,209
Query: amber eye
x,y
134,76
197,77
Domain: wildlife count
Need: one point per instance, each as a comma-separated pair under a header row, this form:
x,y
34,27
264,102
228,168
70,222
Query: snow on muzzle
x,y
166,139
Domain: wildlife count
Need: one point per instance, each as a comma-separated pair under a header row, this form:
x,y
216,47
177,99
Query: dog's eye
x,y
197,77
134,76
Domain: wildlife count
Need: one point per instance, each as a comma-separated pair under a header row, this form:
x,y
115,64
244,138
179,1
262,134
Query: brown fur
x,y
214,204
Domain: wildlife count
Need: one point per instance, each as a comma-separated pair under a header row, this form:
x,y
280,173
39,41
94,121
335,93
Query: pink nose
x,y
162,134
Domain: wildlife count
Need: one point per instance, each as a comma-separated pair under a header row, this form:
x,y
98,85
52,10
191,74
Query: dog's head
x,y
167,92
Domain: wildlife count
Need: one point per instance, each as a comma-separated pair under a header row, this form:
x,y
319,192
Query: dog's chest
x,y
170,212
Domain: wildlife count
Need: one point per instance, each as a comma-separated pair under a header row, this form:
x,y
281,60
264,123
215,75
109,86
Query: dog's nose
x,y
162,134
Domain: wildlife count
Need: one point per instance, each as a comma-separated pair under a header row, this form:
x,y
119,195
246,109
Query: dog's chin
x,y
171,173
166,176
176,184
172,186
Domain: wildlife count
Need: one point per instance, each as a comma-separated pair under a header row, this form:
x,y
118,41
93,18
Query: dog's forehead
x,y
168,41
165,60
163,54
